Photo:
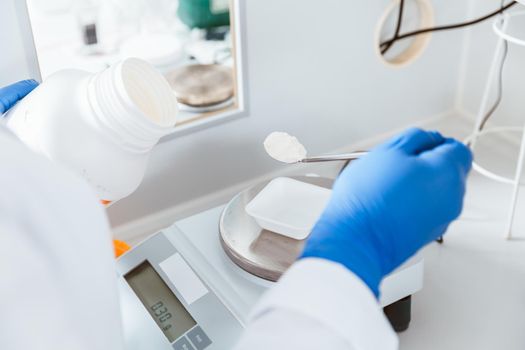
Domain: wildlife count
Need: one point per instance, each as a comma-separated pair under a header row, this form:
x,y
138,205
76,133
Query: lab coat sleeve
x,y
58,279
318,304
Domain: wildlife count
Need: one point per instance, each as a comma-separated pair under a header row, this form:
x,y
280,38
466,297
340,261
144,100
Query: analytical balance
x,y
192,285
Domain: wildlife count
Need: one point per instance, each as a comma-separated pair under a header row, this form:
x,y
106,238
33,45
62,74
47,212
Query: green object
x,y
204,13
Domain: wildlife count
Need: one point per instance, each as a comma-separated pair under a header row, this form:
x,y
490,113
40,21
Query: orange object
x,y
105,202
120,247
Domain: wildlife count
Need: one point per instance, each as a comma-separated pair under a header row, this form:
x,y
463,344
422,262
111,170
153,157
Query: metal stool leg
x,y
517,185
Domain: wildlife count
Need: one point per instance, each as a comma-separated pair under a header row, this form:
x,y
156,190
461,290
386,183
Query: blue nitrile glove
x,y
390,203
11,94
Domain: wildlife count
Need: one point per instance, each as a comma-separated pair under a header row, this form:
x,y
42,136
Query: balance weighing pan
x,y
268,255
260,252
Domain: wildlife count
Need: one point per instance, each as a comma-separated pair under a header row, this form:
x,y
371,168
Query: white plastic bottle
x,y
101,126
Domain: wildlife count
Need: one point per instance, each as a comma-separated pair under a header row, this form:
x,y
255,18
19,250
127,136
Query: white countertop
x,y
474,293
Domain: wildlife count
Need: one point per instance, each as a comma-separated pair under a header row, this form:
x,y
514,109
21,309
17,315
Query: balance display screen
x,y
167,311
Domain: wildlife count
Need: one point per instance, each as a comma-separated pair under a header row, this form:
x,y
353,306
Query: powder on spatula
x,y
284,148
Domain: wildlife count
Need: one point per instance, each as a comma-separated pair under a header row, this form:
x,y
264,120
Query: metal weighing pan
x,y
260,252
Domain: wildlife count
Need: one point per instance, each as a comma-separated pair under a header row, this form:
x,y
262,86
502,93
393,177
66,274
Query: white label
x,y
219,6
183,278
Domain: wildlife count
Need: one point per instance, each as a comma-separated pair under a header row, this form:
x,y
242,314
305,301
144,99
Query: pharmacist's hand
x,y
392,202
11,94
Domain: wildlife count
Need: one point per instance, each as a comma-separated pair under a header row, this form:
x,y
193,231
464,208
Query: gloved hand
x,y
390,203
11,94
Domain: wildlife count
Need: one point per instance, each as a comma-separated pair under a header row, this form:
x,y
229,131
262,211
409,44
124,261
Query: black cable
x,y
449,27
398,28
500,88
500,84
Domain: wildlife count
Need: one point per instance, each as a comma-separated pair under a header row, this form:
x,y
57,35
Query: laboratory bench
x,y
474,282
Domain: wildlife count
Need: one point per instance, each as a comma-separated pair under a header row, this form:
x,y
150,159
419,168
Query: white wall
x,y
312,72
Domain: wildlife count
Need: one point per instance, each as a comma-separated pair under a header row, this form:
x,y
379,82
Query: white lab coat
x,y
318,304
58,282
59,288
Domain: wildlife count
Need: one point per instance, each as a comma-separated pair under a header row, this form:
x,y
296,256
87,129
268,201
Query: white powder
x,y
284,148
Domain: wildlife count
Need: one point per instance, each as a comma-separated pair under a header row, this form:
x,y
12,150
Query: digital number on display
x,y
161,313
